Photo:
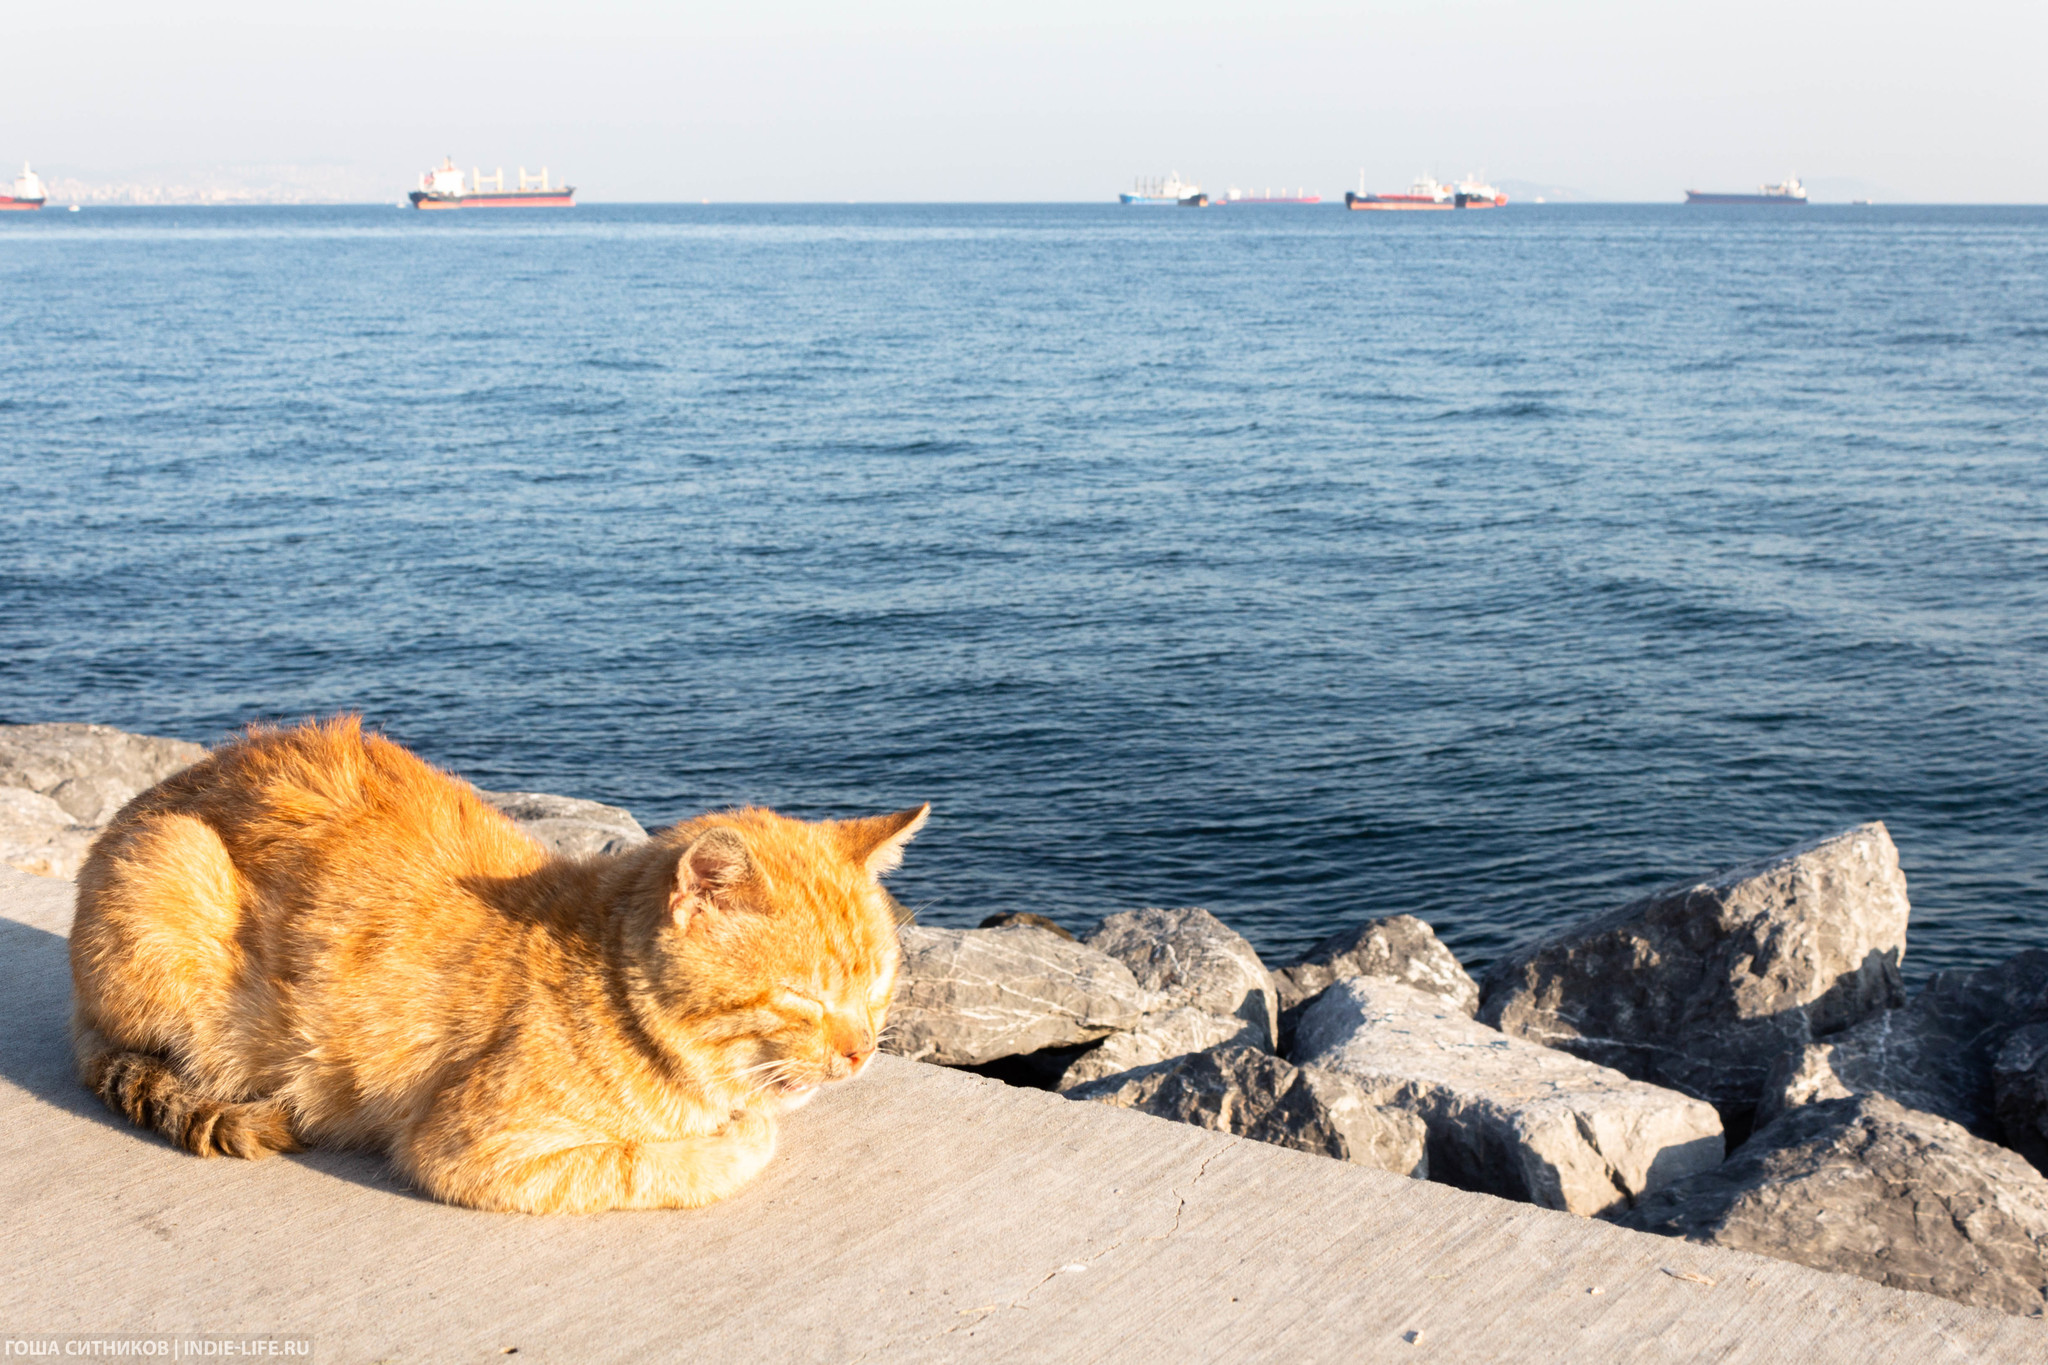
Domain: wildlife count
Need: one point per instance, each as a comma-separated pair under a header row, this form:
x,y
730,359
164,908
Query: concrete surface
x,y
917,1215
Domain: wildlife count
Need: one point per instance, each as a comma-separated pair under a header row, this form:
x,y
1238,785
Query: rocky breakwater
x,y
1970,1048
1166,1011
1206,984
1867,1186
1401,948
1386,1065
1505,1116
1703,986
1730,1060
61,782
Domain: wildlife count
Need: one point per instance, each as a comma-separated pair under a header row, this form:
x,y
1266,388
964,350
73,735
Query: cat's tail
x,y
147,1090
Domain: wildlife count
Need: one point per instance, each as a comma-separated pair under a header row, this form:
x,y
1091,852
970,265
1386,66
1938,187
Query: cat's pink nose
x,y
857,1057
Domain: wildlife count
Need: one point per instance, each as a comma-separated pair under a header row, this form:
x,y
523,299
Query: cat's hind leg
x,y
149,1092
166,970
538,1171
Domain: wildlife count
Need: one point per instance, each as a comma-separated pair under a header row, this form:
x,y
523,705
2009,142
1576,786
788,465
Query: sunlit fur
x,y
313,938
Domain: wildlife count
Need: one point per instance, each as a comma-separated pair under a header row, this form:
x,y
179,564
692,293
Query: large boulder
x,y
569,826
1193,961
1156,1037
84,774
966,996
1701,987
1867,1187
1505,1116
1936,1054
1252,1093
1400,948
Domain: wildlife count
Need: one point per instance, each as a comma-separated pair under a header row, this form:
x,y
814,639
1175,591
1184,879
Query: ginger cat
x,y
313,938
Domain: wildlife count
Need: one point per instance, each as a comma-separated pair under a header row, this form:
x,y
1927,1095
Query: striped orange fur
x,y
314,938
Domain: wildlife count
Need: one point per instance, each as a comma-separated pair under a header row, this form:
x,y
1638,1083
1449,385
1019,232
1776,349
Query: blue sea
x,y
1303,565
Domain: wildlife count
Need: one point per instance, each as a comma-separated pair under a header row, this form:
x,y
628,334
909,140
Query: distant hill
x,y
218,184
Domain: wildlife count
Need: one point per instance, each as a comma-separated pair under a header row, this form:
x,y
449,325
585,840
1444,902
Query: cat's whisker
x,y
762,1074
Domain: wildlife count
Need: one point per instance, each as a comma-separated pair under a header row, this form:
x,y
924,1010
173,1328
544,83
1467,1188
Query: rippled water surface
x,y
1303,565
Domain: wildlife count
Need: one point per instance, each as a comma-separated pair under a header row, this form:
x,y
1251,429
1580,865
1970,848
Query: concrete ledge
x,y
919,1214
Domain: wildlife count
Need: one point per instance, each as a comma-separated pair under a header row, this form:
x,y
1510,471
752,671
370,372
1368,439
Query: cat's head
x,y
777,947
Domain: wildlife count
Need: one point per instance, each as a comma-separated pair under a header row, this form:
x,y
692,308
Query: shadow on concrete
x,y
35,1022
370,1170
35,1053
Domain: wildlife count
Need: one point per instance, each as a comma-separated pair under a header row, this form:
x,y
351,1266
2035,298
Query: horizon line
x,y
1329,202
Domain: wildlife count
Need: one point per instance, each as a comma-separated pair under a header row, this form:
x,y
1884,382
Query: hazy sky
x,y
1051,99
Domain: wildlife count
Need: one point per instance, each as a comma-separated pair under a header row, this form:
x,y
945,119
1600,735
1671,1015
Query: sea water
x,y
1303,565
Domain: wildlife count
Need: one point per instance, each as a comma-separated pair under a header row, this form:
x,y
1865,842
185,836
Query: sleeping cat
x,y
313,938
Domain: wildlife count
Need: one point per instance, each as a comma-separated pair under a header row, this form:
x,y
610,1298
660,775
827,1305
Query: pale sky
x,y
1046,100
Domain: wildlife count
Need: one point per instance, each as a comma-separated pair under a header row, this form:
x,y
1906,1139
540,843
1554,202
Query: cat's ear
x,y
876,843
715,861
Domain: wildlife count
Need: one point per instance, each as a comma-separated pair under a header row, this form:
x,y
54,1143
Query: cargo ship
x,y
443,188
28,191
1787,191
1233,195
1427,195
1171,190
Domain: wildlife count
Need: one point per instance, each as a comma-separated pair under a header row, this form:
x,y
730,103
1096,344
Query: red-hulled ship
x,y
1426,195
443,188
28,191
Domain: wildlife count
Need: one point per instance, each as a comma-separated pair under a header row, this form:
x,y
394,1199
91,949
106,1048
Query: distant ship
x,y
1474,193
28,191
442,188
1789,191
1426,194
1171,190
1233,195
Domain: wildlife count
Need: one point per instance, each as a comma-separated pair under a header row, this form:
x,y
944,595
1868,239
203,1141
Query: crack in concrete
x,y
1200,1171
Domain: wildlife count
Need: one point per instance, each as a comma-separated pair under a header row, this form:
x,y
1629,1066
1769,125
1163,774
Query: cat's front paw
x,y
752,1135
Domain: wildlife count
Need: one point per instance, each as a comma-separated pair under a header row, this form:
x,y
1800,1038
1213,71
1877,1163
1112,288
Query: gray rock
x,y
1505,1116
84,773
1194,961
1867,1187
568,826
1401,948
1156,1037
1805,1075
1935,1055
966,996
90,770
1010,917
1701,987
39,836
2019,1093
1252,1093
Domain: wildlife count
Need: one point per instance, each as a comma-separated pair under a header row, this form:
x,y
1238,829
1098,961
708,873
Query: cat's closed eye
x,y
791,999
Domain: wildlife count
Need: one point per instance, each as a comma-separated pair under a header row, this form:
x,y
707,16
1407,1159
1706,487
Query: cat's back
x,y
326,794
